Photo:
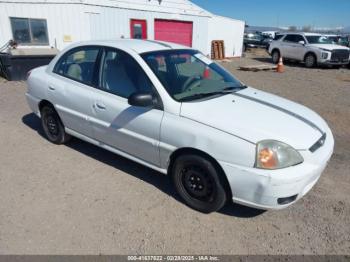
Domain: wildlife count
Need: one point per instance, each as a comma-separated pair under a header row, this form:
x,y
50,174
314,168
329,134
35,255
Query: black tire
x,y
198,183
310,60
275,55
244,48
52,126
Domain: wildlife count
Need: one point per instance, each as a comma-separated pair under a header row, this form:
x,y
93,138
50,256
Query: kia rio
x,y
174,110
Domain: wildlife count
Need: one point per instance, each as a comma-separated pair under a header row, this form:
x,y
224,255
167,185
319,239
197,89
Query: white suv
x,y
312,49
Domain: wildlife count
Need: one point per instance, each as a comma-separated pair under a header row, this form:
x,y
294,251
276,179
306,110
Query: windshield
x,y
188,75
318,39
254,36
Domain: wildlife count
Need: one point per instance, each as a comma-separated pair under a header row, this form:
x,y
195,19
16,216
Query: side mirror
x,y
302,42
141,99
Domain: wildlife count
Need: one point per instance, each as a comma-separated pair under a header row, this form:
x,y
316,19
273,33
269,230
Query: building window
x,y
29,31
138,29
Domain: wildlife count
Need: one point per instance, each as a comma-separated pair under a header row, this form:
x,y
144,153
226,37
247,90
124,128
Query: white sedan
x,y
172,109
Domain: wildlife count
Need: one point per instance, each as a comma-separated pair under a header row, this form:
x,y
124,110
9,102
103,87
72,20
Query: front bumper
x,y
330,62
277,189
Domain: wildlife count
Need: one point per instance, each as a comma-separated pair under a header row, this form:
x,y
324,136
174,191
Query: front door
x,y
291,48
138,29
132,130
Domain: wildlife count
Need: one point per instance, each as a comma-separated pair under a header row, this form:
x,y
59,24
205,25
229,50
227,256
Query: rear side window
x,y
78,64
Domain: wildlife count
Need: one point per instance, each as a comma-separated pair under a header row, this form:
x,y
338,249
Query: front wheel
x,y
52,126
197,182
310,61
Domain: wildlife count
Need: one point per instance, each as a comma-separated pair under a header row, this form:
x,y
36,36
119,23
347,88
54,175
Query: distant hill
x,y
345,30
262,28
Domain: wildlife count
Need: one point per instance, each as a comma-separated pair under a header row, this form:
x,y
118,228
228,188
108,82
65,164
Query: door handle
x,y
52,88
100,106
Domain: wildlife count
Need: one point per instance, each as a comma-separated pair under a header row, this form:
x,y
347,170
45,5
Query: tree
x,y
307,28
292,28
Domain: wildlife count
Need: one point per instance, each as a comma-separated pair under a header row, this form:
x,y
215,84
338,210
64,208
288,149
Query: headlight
x,y
271,154
324,55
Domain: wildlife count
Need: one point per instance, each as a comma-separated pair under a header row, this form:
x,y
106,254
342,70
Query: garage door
x,y
178,32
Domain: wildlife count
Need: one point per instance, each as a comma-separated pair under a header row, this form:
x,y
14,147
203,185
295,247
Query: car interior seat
x,y
74,71
116,79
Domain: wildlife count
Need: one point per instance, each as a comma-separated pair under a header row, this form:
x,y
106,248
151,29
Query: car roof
x,y
302,33
311,34
137,45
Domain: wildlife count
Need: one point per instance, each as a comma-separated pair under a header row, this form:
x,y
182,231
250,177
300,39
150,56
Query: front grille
x,y
319,143
340,55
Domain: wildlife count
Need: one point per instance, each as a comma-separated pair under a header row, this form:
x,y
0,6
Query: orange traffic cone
x,y
280,66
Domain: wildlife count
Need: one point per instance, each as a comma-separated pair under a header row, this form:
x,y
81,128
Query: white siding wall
x,y
91,20
111,23
229,30
61,20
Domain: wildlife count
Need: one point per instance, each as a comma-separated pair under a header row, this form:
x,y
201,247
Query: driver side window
x,y
121,75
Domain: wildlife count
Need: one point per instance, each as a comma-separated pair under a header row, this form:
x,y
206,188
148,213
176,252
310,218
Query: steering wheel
x,y
190,82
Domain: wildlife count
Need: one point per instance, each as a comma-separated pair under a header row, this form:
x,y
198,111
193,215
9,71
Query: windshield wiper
x,y
231,89
227,90
199,96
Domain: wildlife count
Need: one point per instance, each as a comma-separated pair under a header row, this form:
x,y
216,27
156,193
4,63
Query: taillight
x,y
28,74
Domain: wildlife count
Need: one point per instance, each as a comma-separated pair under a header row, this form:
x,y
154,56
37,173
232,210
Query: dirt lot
x,y
79,199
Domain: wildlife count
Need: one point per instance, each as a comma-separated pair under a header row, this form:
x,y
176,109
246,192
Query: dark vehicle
x,y
256,40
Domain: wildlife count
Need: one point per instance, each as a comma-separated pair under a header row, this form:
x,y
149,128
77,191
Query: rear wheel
x,y
52,126
275,56
197,182
310,60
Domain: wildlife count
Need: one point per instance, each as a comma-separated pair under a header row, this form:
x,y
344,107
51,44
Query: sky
x,y
316,13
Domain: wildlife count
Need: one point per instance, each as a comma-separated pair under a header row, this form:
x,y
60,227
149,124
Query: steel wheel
x,y
198,183
52,126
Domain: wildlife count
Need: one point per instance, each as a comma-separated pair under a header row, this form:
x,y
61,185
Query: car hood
x,y
329,46
254,116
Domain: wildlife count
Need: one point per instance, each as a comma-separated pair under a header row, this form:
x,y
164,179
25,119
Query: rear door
x,y
132,130
70,87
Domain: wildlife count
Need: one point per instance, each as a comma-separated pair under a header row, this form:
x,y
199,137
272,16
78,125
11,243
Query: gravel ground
x,y
79,199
